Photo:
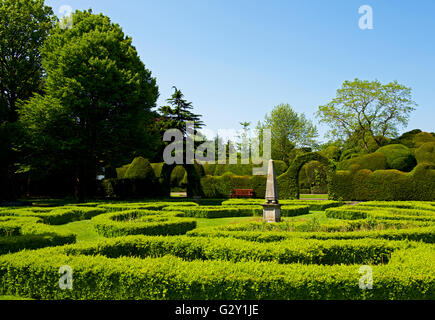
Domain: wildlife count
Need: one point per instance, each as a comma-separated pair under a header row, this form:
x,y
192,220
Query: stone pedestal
x,y
272,208
271,212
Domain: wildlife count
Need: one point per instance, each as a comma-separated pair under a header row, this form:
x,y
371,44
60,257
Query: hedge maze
x,y
154,250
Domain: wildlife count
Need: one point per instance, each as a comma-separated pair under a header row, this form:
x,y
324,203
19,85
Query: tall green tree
x,y
364,110
289,130
97,101
178,113
24,26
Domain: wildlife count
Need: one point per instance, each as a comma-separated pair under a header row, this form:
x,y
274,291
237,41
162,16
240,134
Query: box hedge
x,y
407,275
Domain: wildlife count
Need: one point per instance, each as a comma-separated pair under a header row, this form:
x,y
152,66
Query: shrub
x,y
222,186
140,168
398,157
177,176
426,153
372,161
140,222
288,182
157,167
408,275
392,185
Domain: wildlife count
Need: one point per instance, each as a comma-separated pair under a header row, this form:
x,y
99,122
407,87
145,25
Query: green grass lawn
x,y
83,229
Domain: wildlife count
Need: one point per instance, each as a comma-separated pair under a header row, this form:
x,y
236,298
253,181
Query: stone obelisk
x,y
272,208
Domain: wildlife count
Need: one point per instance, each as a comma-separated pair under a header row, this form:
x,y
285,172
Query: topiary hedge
x,y
407,275
141,222
288,182
426,153
398,157
391,185
222,186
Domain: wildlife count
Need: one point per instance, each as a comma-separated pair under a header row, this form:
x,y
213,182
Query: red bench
x,y
242,193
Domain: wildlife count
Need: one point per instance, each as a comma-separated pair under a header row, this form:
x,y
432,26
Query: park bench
x,y
242,193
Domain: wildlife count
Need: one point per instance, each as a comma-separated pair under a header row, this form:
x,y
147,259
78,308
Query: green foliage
x,y
97,101
157,167
362,185
367,109
398,157
372,161
331,152
288,182
222,186
140,168
147,222
289,130
314,205
407,275
426,153
177,176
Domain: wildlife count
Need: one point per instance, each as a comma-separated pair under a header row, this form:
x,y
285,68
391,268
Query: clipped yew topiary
x,y
426,153
398,157
140,168
288,182
372,161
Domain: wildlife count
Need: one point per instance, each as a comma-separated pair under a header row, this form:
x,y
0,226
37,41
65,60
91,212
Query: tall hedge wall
x,y
288,182
361,185
221,186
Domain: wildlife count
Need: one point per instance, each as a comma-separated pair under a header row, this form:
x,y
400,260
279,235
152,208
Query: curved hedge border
x,y
56,216
30,233
408,275
328,252
211,212
425,234
141,222
314,205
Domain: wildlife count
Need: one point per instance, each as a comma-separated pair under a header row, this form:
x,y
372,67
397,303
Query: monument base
x,y
271,212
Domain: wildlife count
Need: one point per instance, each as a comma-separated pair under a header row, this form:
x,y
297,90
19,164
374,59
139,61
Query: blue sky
x,y
235,60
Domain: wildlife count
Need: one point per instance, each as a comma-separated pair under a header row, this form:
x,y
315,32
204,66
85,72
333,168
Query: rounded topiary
x,y
426,153
331,152
373,161
140,168
177,176
398,157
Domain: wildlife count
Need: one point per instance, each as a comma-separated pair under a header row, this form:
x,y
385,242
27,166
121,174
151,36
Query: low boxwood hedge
x,y
35,274
141,222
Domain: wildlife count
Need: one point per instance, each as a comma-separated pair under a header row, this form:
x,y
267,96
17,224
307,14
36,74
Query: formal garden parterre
x,y
154,250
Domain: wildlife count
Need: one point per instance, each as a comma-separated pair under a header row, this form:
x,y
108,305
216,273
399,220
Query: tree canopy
x,y
289,130
97,99
364,110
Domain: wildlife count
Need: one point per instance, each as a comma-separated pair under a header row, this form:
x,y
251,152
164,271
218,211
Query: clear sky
x,y
236,59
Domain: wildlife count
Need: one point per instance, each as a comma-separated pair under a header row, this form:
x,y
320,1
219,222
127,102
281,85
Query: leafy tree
x,y
289,130
177,114
97,102
24,26
367,109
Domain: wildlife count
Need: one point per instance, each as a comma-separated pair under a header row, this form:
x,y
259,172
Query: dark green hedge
x,y
391,185
222,186
288,182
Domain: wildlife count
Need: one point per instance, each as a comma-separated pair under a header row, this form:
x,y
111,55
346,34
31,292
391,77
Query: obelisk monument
x,y
272,208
